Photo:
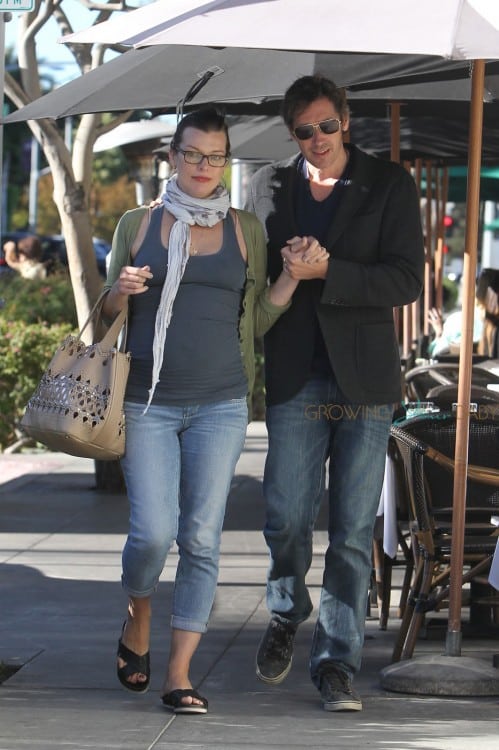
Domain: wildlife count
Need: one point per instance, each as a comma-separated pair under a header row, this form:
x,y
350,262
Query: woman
x,y
26,259
193,272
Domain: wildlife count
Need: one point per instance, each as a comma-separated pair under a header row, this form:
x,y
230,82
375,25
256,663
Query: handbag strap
x,y
121,319
114,329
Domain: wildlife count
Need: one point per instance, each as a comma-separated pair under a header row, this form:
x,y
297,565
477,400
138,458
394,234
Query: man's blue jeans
x,y
304,432
178,467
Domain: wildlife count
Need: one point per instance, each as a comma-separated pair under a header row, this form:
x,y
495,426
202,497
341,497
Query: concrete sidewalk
x,y
62,607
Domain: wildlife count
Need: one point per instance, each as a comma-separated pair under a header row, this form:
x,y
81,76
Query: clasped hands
x,y
305,258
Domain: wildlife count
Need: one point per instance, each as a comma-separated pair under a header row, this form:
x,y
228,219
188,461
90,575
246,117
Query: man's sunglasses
x,y
304,132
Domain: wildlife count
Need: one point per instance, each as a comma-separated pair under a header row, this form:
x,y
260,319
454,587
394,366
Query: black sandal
x,y
134,664
174,701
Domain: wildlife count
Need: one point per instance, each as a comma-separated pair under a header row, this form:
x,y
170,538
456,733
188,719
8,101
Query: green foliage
x,y
25,351
35,316
450,292
108,166
108,203
31,301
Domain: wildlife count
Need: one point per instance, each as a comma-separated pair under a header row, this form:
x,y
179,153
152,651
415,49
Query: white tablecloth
x,y
388,509
494,568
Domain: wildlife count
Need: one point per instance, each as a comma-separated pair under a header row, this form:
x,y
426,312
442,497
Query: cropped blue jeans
x,y
305,432
178,467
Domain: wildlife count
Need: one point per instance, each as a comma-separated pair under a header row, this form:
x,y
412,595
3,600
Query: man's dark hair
x,y
306,90
207,119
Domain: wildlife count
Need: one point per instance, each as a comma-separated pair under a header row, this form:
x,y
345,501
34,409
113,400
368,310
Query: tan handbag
x,y
77,407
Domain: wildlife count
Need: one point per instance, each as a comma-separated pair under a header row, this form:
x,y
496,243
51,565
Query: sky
x,y
59,62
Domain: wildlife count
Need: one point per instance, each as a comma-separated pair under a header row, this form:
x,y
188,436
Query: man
x,y
332,374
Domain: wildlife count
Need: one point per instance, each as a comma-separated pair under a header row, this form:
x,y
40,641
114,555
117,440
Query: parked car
x,y
54,250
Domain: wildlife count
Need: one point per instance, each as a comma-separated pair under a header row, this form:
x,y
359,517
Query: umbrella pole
x,y
395,131
395,156
416,306
441,199
454,635
428,281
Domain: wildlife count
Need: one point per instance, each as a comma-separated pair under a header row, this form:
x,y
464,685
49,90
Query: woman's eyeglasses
x,y
196,157
304,132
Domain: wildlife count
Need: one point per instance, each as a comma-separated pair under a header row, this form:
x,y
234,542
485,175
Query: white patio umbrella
x,y
134,132
159,77
457,29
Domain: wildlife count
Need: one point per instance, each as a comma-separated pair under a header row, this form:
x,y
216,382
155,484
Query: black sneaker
x,y
337,692
275,653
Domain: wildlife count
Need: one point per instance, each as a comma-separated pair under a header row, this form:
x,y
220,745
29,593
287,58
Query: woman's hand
x,y
304,258
133,280
435,320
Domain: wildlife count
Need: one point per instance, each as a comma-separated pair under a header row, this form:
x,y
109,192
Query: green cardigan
x,y
258,312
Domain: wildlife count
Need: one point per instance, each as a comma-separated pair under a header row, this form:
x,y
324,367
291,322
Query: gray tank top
x,y
202,359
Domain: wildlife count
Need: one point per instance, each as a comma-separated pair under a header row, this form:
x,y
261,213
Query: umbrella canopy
x,y
134,132
447,98
441,141
158,78
459,29
489,184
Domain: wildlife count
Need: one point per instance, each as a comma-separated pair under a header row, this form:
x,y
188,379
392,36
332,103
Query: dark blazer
x,y
377,261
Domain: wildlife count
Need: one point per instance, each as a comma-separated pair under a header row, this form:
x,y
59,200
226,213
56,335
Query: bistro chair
x,y
425,446
444,396
421,380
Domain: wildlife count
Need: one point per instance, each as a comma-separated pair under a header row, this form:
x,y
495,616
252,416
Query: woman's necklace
x,y
204,241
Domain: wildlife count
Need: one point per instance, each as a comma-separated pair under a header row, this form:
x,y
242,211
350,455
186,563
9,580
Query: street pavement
x,y
62,606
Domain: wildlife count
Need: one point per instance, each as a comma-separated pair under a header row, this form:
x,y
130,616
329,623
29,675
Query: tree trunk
x,y
71,171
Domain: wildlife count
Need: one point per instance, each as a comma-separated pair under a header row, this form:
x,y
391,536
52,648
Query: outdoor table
x,y
494,568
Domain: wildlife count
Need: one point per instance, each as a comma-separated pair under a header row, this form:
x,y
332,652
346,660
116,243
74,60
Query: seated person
x,y
485,322
448,333
26,258
487,296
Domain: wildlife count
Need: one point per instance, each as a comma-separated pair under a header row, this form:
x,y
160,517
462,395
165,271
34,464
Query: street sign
x,y
13,6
